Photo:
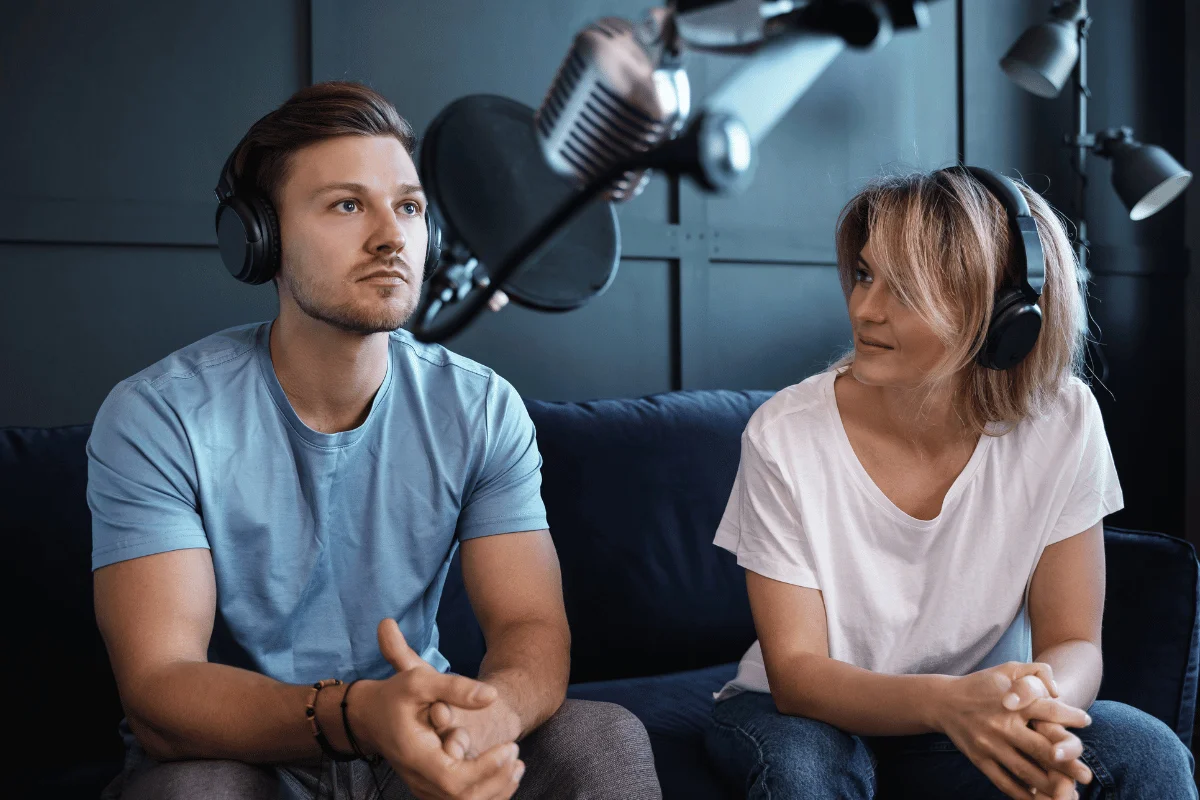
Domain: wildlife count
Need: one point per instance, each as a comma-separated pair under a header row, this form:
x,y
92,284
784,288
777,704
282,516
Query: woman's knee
x,y
767,753
1135,752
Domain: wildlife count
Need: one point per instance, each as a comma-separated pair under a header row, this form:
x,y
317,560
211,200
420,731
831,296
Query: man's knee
x,y
203,780
599,750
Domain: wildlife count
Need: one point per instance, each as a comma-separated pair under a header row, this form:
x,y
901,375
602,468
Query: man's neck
x,y
330,376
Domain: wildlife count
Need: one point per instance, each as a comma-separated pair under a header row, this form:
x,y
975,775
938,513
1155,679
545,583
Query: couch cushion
x,y
676,709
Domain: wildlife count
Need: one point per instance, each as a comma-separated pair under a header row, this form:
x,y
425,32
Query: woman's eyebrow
x,y
863,261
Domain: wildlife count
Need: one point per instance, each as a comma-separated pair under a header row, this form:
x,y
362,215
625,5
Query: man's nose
x,y
389,236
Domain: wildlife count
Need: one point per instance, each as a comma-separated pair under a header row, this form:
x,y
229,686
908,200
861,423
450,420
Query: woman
x,y
922,535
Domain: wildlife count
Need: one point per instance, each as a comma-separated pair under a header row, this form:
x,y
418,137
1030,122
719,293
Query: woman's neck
x,y
928,420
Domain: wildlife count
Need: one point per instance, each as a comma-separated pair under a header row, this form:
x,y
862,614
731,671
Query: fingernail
x,y
1059,754
1054,683
512,751
1011,700
1089,718
519,771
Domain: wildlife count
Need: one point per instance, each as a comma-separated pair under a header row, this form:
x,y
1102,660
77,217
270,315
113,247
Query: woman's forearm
x,y
1078,667
856,700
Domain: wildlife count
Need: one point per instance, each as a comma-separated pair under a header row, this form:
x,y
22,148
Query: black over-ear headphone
x,y
1016,318
248,228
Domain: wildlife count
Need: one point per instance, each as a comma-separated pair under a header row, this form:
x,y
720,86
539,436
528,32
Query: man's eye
x,y
353,203
411,208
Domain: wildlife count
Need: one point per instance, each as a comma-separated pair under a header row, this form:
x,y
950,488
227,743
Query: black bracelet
x,y
310,711
358,752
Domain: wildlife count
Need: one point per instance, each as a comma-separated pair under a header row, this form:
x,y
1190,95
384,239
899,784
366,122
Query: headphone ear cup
x,y
248,238
269,251
1012,332
433,246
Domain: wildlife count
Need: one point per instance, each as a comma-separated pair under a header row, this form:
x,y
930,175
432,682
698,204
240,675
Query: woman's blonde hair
x,y
941,242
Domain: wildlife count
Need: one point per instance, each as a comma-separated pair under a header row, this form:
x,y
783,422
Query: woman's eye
x,y
861,276
352,203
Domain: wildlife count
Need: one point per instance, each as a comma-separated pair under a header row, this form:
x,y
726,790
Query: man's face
x,y
352,222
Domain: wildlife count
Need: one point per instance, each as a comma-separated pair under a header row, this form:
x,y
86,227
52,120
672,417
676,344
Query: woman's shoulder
x,y
794,410
1072,409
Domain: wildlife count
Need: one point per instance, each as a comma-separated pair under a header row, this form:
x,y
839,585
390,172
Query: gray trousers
x,y
585,751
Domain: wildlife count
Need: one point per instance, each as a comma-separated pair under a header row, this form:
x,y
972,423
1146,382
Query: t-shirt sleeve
x,y
507,493
142,488
1094,490
762,525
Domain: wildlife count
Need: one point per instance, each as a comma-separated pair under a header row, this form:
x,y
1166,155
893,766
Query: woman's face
x,y
892,345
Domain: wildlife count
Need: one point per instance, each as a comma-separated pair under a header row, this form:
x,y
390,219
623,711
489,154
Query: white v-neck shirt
x,y
903,595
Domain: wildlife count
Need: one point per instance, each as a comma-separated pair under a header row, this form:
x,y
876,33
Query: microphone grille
x,y
603,107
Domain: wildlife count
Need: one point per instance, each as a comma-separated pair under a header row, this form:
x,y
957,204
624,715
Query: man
x,y
276,506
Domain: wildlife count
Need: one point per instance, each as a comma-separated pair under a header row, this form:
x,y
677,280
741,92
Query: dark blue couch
x,y
634,490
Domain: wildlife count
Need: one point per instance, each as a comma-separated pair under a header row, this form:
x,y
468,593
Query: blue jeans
x,y
772,756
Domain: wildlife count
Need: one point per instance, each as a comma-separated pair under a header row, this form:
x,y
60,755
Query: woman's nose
x,y
872,305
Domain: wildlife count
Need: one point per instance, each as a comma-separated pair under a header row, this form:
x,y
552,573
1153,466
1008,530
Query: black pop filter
x,y
489,185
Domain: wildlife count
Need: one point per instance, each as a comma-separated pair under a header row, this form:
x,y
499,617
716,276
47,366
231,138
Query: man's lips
x,y
386,275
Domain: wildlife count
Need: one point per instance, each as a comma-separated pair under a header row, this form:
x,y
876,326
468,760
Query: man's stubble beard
x,y
348,317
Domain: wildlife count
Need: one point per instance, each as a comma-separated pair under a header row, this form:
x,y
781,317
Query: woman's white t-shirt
x,y
903,595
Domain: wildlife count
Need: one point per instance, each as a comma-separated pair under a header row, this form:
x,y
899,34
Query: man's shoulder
x,y
435,366
194,371
231,346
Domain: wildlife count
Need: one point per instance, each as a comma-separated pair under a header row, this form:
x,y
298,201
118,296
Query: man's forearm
x,y
192,710
1078,667
856,700
529,665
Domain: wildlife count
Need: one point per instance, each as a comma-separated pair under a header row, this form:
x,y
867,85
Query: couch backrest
x,y
634,490
52,645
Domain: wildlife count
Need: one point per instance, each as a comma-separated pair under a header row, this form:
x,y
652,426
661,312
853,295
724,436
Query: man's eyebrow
x,y
358,188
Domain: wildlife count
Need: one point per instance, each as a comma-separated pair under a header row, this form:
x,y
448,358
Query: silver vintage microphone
x,y
620,91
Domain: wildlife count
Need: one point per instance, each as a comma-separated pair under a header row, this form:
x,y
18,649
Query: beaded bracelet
x,y
310,712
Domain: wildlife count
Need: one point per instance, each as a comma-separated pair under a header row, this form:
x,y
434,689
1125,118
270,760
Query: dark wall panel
x,y
770,326
616,346
123,113
75,320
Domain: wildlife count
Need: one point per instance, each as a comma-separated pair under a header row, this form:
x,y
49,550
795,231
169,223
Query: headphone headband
x,y
1016,318
1027,262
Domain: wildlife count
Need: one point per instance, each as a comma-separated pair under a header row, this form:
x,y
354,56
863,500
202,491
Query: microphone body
x,y
615,95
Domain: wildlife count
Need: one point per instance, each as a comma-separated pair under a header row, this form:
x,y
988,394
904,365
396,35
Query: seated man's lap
x,y
587,749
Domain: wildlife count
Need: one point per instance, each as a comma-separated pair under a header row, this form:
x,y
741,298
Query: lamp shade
x,y
1041,60
1145,177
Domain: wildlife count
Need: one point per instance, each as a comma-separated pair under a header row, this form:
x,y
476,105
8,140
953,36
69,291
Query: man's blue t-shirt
x,y
314,537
